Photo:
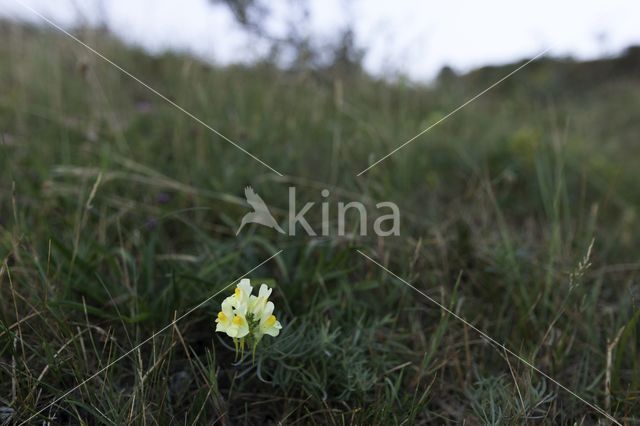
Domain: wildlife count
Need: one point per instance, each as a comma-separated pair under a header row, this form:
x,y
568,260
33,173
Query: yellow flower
x,y
244,315
242,293
268,322
257,303
239,327
225,316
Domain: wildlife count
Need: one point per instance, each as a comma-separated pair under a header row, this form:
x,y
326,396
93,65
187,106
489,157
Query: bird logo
x,y
260,214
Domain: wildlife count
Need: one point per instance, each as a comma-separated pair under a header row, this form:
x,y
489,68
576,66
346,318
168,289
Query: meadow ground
x,y
118,214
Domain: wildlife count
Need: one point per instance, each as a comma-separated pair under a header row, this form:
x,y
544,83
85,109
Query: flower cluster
x,y
245,316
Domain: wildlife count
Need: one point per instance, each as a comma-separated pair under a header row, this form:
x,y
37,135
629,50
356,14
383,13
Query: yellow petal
x,y
271,321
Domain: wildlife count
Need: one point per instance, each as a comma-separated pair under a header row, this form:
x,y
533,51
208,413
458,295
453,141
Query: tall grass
x,y
118,213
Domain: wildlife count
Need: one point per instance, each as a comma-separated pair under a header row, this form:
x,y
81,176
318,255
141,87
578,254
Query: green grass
x,y
118,214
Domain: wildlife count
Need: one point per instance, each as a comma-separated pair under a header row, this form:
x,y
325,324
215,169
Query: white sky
x,y
412,37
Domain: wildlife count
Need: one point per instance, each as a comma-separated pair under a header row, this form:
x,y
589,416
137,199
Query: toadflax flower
x,y
244,316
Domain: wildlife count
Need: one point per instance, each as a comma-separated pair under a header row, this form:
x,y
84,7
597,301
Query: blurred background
x,y
410,38
520,212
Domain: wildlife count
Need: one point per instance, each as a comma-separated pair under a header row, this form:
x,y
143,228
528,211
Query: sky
x,y
413,38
